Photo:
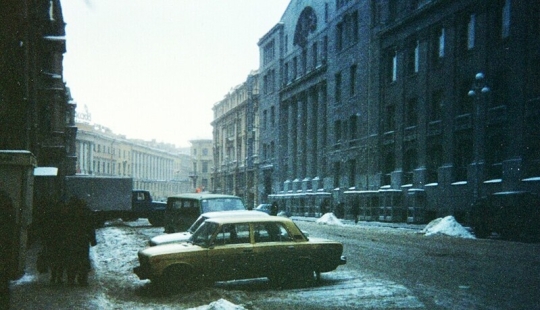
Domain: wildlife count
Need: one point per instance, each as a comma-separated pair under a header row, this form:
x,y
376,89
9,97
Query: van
x,y
183,209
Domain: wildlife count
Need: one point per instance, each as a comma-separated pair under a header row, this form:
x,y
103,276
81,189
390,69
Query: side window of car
x,y
242,234
271,232
233,234
224,235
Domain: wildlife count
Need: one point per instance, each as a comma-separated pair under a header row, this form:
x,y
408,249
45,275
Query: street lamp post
x,y
478,90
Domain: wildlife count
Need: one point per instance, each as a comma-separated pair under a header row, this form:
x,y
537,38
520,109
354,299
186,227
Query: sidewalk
x,y
415,227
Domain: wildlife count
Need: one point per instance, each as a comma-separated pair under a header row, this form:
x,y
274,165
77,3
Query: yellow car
x,y
226,248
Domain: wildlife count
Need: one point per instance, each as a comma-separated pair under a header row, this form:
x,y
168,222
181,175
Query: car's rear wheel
x,y
278,279
306,275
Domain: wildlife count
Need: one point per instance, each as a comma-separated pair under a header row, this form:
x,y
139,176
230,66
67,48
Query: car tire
x,y
176,279
155,221
306,275
278,279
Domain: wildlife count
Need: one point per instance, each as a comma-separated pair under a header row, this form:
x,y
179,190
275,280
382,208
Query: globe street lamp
x,y
477,92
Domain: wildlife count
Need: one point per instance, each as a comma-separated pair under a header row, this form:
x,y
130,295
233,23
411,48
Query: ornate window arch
x,y
306,24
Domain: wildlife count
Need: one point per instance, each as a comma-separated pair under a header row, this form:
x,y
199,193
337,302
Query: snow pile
x,y
329,219
447,226
220,304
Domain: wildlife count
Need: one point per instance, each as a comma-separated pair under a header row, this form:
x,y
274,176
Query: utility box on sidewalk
x,y
16,189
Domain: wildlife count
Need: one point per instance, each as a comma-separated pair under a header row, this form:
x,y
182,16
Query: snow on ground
x,y
329,219
221,304
447,226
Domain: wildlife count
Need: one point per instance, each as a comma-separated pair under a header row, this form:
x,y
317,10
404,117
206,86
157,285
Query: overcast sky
x,y
153,69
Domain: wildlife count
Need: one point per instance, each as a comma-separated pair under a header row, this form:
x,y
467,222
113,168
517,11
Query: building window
x,y
389,118
413,57
340,33
204,168
412,112
392,10
505,19
352,172
337,90
462,157
353,126
325,50
437,101
495,154
315,55
337,168
295,68
352,80
434,161
391,66
465,102
205,152
326,12
388,168
410,162
471,32
286,74
375,12
268,53
438,45
501,88
337,130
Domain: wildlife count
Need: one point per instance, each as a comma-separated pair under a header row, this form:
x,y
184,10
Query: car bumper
x,y
141,273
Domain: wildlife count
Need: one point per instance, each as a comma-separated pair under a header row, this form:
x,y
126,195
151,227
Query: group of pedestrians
x,y
68,233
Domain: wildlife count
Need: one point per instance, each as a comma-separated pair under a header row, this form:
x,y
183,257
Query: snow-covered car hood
x,y
171,248
170,238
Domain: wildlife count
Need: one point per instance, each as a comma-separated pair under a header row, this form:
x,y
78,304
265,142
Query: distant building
x,y
235,145
202,164
160,168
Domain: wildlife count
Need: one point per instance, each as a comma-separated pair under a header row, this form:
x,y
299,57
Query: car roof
x,y
246,219
233,213
200,196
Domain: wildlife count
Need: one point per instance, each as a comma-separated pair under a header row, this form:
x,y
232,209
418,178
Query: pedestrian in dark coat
x,y
54,240
340,210
80,235
274,208
355,211
7,232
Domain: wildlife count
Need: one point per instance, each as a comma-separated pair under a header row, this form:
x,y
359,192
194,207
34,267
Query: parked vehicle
x,y
264,207
183,209
113,197
226,248
143,206
184,236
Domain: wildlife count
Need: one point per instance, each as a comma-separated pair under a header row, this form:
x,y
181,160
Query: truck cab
x,y
143,206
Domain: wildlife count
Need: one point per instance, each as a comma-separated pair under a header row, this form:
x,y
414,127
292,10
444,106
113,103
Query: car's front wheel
x,y
175,279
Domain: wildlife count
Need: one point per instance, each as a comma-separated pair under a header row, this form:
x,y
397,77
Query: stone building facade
x,y
202,164
381,104
235,146
161,168
36,110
